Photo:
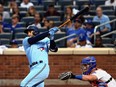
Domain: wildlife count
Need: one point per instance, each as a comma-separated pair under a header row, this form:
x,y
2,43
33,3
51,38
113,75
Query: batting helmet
x,y
34,28
87,64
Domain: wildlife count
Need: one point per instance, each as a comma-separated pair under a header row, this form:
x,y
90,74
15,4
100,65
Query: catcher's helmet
x,y
34,28
87,64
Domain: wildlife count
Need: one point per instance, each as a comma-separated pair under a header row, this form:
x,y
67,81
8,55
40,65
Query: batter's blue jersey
x,y
38,51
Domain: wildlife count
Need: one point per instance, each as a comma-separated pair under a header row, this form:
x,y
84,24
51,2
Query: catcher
x,y
96,76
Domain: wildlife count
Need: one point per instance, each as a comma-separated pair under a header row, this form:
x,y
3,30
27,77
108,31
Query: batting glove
x,y
53,30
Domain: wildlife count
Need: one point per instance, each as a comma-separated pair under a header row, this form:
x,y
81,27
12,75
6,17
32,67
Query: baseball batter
x,y
96,76
36,47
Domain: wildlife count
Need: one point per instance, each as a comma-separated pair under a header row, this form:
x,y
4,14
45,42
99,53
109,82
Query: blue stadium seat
x,y
57,7
23,24
46,3
104,7
109,12
4,41
8,20
20,35
42,12
57,23
22,9
39,8
65,3
7,30
107,40
6,8
54,18
27,20
63,42
20,30
5,36
42,29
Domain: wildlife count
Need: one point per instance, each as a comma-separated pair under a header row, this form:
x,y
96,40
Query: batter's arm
x,y
53,46
38,37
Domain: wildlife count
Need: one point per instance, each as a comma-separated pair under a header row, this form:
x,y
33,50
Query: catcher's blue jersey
x,y
37,51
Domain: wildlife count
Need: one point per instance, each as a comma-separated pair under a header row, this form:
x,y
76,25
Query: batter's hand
x,y
53,30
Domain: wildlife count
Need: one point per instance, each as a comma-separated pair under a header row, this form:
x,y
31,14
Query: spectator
x,y
14,25
110,2
82,42
98,42
51,24
89,27
102,19
69,24
13,44
68,12
3,24
26,4
46,24
1,27
4,13
37,22
15,21
75,30
31,11
16,11
51,11
12,5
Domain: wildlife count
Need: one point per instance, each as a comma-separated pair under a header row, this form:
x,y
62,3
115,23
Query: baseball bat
x,y
86,9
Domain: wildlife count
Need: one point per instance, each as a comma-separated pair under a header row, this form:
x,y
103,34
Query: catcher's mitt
x,y
65,76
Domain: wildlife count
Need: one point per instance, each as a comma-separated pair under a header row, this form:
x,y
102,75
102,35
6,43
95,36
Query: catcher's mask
x,y
87,64
34,28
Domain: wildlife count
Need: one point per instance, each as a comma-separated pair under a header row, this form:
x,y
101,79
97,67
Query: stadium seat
x,y
109,12
5,36
20,35
20,30
104,7
8,20
41,12
113,25
27,20
57,23
23,13
7,30
6,8
42,29
54,18
65,3
88,17
57,7
35,2
46,3
19,41
60,43
4,41
22,9
80,3
39,8
99,2
23,24
107,40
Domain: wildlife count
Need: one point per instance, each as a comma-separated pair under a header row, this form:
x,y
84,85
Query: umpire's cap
x,y
31,27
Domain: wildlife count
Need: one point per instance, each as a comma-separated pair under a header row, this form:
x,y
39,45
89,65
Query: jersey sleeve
x,y
25,43
99,74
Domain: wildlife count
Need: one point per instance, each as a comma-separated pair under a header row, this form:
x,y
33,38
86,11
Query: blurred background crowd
x,y
17,15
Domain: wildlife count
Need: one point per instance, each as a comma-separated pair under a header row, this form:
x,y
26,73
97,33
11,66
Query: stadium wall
x,y
14,65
